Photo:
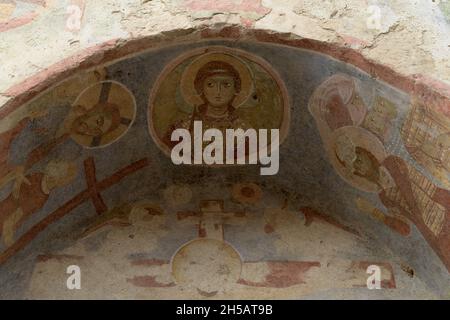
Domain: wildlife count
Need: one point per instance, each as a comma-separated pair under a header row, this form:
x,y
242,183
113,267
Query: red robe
x,y
408,206
337,113
31,199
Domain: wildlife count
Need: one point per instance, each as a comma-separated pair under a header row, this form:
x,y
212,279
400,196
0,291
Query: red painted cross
x,y
92,192
211,218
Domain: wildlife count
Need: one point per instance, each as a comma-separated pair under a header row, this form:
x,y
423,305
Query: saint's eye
x,y
227,84
210,84
100,121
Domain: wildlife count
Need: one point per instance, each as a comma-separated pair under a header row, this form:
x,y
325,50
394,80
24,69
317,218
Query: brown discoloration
x,y
247,193
109,221
154,211
57,257
268,228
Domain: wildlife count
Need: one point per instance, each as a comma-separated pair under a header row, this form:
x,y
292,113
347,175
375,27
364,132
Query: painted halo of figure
x,y
215,84
402,189
224,88
350,159
336,103
101,114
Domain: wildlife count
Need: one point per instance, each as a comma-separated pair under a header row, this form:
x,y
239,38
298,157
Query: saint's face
x,y
362,165
95,124
219,91
345,151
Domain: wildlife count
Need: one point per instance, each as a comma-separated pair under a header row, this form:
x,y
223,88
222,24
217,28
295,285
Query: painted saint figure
x,y
335,104
404,191
220,88
101,114
217,83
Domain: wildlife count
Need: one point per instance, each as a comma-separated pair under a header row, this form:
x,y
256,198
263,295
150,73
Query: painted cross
x,y
92,192
195,262
211,219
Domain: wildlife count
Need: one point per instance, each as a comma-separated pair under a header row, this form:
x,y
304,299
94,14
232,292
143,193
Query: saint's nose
x,y
218,89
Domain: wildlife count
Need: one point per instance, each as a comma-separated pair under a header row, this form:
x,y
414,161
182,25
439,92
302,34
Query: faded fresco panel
x,y
85,179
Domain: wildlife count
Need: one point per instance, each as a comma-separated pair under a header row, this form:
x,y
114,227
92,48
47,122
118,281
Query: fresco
x,y
86,180
223,88
427,137
354,138
101,114
207,266
17,13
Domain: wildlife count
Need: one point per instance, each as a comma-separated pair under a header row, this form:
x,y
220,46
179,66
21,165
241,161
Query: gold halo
x,y
360,138
116,93
188,91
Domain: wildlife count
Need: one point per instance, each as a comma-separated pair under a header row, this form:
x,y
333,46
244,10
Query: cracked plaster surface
x,y
412,37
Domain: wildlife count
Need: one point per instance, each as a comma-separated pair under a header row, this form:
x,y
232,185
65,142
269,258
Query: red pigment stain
x,y
311,215
58,257
247,192
268,228
283,274
188,214
397,225
201,232
17,22
149,282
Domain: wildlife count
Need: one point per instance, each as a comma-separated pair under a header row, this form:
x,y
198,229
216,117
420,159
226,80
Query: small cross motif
x,y
211,218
